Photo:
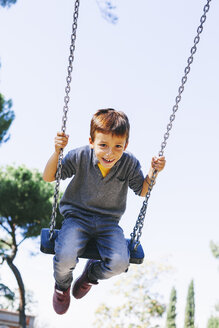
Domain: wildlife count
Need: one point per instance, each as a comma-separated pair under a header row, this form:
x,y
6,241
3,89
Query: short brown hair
x,y
110,121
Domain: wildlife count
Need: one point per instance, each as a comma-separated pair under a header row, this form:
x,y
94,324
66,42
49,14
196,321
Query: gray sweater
x,y
89,193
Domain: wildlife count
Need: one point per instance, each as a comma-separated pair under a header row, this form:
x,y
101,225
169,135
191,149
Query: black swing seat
x,y
91,252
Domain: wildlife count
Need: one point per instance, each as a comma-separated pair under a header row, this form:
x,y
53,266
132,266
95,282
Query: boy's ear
x,y
126,145
91,143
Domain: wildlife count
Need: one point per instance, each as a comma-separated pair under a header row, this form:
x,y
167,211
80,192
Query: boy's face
x,y
108,148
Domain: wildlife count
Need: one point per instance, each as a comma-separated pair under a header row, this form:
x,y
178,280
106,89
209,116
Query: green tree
x,y
6,118
6,114
215,249
25,208
6,293
10,301
171,311
7,3
138,306
190,307
213,322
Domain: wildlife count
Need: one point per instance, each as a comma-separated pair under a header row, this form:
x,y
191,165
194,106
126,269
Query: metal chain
x,y
64,118
137,231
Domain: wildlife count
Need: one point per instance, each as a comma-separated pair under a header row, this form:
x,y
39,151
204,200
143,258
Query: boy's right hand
x,y
61,141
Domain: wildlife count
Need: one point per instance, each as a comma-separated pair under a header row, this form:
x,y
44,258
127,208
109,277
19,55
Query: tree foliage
x,y
171,311
190,307
11,303
213,322
7,3
6,292
25,208
139,306
6,118
25,205
215,249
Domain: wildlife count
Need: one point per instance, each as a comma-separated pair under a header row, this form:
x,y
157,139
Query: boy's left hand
x,y
158,163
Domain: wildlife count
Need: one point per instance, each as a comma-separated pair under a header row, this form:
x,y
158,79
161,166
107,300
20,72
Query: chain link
x,y
64,118
137,231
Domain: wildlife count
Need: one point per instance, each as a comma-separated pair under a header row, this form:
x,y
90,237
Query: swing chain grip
x,y
137,231
64,118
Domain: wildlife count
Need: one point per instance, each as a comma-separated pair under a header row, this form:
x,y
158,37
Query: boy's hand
x,y
61,141
158,163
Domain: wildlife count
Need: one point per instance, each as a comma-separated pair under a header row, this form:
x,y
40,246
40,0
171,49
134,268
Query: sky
x,y
135,65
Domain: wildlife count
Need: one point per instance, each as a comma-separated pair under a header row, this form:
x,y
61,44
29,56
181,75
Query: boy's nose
x,y
109,152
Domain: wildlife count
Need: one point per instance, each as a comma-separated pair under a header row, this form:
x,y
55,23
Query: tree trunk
x,y
22,315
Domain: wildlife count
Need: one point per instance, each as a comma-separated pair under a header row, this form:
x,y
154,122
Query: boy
x,y
94,202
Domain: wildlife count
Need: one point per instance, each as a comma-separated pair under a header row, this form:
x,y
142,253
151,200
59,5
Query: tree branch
x,y
5,242
6,229
20,283
21,241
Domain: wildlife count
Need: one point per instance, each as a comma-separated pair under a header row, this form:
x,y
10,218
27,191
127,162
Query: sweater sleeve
x,y
69,164
136,177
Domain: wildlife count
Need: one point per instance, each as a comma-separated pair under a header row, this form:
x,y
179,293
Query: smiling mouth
x,y
107,161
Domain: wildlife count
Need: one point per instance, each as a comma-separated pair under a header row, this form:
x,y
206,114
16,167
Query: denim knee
x,y
117,265
65,262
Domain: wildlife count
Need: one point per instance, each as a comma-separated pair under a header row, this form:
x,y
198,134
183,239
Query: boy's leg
x,y
113,250
83,284
71,241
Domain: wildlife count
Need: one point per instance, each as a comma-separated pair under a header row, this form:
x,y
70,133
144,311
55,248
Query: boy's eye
x,y
102,145
118,146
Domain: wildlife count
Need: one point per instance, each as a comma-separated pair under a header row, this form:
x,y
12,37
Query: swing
x,y
48,235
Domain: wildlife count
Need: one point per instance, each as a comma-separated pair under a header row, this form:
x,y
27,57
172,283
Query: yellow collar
x,y
103,170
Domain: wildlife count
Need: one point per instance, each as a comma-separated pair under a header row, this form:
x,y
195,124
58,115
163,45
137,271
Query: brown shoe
x,y
61,300
82,285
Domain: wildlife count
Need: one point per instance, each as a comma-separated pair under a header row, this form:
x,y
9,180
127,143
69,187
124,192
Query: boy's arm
x,y
51,168
157,164
61,141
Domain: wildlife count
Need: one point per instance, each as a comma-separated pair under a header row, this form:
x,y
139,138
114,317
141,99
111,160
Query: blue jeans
x,y
72,240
